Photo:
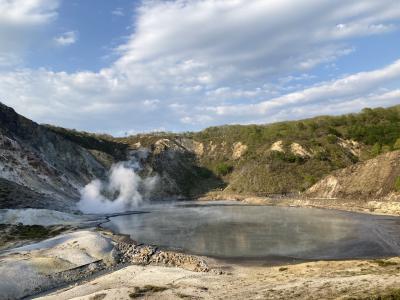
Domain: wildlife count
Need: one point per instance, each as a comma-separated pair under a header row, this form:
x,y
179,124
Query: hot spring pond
x,y
234,231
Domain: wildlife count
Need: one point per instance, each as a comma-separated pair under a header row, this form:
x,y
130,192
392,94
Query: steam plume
x,y
123,190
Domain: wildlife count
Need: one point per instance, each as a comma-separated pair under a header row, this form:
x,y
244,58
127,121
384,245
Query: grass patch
x,y
15,233
397,184
31,231
184,296
385,263
223,169
389,295
98,296
142,291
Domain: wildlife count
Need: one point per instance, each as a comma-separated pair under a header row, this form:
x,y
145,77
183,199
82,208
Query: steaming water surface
x,y
227,230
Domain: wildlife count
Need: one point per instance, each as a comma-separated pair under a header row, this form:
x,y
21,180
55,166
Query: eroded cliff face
x,y
176,163
371,179
189,166
40,160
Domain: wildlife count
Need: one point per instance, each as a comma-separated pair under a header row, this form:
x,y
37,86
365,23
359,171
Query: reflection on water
x,y
232,231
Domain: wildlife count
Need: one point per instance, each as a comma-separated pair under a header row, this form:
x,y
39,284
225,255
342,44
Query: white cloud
x,y
190,64
67,38
337,92
381,99
253,37
20,24
27,12
118,12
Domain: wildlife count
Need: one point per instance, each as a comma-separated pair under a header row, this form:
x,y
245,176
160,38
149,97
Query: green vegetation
x,y
333,142
261,171
99,296
31,232
376,149
388,295
371,126
92,141
142,291
14,233
396,145
384,263
397,184
223,169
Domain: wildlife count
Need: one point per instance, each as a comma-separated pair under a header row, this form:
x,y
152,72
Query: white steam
x,y
124,190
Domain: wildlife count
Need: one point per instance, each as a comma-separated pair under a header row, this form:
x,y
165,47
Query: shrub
x,y
331,138
310,179
376,149
203,172
386,148
333,131
396,145
322,155
223,169
397,184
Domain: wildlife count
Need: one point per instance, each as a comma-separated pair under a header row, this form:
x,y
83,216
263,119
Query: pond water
x,y
229,230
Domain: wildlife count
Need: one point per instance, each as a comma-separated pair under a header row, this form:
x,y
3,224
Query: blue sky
x,y
100,26
128,66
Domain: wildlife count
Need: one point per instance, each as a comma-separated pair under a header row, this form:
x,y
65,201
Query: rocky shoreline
x,y
58,261
386,206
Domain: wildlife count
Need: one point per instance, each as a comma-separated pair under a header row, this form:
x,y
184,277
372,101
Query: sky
x,y
129,66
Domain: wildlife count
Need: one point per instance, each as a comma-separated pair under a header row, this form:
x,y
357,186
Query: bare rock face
x,y
167,144
353,147
299,150
277,146
371,179
43,161
329,187
175,161
239,150
197,148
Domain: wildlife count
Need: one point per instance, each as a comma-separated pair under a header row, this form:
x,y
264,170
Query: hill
x,y
376,178
279,158
41,166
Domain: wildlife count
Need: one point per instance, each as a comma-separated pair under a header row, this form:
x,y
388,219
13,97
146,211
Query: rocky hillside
x,y
279,158
286,157
376,178
174,160
40,164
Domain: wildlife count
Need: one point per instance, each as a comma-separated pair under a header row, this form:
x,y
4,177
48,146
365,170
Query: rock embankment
x,y
145,254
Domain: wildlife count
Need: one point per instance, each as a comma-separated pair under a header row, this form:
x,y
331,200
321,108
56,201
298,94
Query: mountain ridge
x,y
281,158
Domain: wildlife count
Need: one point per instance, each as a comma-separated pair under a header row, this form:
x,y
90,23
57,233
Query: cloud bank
x,y
192,64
